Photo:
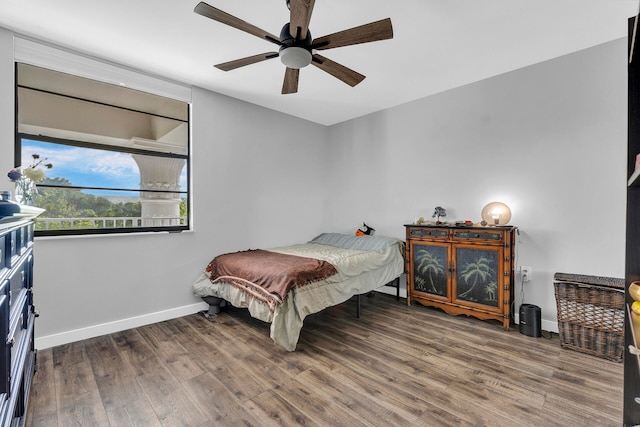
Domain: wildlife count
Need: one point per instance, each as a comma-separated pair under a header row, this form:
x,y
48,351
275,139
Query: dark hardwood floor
x,y
395,366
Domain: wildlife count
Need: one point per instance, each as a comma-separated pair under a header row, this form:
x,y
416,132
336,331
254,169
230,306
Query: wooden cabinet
x,y
17,318
462,270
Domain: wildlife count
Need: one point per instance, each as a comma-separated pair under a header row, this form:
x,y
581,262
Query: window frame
x,y
20,136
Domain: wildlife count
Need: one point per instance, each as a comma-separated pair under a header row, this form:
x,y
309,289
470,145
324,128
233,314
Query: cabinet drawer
x,y
20,341
12,244
474,235
5,255
29,230
20,239
20,280
21,391
5,353
427,233
17,241
24,238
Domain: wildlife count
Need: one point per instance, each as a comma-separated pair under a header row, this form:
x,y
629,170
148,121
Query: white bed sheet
x,y
358,272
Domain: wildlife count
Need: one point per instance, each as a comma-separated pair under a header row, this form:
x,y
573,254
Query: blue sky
x,y
87,167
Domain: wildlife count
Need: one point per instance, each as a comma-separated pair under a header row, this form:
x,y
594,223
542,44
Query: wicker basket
x,y
591,314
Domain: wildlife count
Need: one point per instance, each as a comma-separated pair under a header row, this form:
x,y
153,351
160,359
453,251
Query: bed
x,y
329,270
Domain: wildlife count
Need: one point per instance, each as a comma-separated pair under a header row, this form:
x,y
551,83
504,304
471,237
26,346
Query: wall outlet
x,y
525,273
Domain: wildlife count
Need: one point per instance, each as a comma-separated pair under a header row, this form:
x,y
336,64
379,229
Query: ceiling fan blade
x,y
374,31
290,84
338,71
232,65
300,16
217,15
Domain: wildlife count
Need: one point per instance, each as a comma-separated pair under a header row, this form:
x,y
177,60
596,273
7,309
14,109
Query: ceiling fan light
x,y
295,57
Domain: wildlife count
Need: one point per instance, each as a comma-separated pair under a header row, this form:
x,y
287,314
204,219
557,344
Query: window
x,y
119,156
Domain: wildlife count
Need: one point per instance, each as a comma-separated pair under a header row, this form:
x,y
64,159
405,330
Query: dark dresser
x,y
17,316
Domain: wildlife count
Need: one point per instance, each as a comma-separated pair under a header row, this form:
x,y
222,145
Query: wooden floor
x,y
395,366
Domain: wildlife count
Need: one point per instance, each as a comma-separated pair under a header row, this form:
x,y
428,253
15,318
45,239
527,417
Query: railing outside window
x,y
106,223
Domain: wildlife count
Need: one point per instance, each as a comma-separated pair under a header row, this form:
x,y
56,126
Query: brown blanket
x,y
268,276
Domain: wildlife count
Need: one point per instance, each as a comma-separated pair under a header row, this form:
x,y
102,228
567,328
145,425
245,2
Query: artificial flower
x,y
14,174
25,181
35,175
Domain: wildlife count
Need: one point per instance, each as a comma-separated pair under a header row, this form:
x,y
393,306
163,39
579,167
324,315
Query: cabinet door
x,y
430,268
477,279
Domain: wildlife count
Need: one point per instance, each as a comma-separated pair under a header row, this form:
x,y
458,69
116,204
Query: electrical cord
x,y
515,263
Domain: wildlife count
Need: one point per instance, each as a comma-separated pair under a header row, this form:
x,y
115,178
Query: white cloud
x,y
69,162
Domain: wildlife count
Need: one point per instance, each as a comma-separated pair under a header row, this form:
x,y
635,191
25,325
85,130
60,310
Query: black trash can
x,y
530,319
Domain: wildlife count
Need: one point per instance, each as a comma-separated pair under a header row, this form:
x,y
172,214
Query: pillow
x,y
364,243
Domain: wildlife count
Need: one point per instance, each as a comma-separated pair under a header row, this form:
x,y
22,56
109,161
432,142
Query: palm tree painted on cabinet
x,y
430,265
477,279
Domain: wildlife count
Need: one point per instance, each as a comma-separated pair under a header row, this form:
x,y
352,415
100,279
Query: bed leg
x,y
358,306
216,305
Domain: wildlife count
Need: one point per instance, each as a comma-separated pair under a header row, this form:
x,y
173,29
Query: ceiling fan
x,y
297,48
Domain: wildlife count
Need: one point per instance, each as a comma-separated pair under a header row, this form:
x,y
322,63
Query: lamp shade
x,y
496,213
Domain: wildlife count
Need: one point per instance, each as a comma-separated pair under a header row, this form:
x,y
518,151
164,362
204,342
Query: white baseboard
x,y
133,322
545,325
548,325
119,325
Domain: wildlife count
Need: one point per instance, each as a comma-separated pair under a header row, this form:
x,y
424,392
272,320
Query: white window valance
x,y
56,58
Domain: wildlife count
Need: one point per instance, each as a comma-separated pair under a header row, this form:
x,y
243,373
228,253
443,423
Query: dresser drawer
x,y
12,244
5,351
21,390
22,237
20,339
19,240
5,253
20,279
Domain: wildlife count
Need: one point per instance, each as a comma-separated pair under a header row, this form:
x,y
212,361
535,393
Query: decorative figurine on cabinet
x,y
439,212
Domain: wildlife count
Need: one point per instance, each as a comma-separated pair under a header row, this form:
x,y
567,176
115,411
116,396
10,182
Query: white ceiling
x,y
437,45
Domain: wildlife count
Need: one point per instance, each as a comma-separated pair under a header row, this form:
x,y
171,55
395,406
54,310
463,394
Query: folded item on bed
x,y
349,241
266,275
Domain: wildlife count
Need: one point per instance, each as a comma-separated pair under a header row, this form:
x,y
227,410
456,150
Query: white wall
x,y
7,107
255,184
549,140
